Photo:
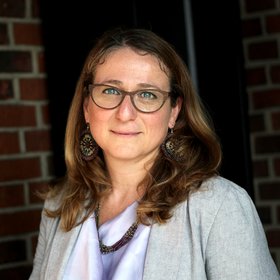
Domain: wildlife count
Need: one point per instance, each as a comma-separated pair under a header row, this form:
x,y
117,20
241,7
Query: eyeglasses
x,y
144,100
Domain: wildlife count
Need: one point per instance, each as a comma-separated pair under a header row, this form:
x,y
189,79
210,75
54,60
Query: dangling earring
x,y
88,146
172,147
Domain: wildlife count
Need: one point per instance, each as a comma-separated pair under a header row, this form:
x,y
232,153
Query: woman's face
x,y
124,133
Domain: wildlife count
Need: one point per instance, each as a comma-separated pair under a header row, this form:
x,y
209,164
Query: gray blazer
x,y
216,234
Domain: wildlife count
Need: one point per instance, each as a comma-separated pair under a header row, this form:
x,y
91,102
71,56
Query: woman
x,y
142,198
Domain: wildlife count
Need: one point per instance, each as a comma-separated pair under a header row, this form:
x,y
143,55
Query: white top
x,y
86,261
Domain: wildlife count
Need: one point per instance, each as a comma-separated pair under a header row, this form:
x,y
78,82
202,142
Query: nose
x,y
126,110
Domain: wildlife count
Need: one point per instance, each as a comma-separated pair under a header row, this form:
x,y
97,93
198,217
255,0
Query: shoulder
x,y
218,190
219,197
222,224
55,194
225,217
221,211
52,203
54,197
219,186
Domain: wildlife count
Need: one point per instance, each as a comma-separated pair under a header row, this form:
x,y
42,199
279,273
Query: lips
x,y
125,133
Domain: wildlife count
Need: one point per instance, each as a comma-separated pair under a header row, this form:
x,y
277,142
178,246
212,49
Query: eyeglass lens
x,y
144,100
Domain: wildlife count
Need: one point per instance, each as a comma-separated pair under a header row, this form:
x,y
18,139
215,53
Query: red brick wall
x,y
261,33
25,149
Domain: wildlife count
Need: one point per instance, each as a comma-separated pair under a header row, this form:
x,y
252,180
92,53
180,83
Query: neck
x,y
126,178
126,175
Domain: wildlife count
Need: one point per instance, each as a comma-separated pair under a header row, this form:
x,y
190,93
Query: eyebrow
x,y
114,82
119,83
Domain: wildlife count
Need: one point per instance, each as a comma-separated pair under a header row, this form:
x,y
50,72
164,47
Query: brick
x,y
251,27
45,114
12,251
273,237
33,89
267,144
35,8
27,34
11,196
263,50
266,98
6,89
20,222
19,169
275,120
15,61
259,5
276,166
265,214
17,116
41,62
9,143
16,273
275,74
272,23
34,188
38,140
269,191
12,8
255,76
4,38
260,168
257,123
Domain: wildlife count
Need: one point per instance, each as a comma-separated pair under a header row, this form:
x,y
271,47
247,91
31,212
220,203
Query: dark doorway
x,y
70,30
221,83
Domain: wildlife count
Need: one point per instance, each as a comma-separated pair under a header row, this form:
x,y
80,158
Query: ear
x,y
175,112
86,109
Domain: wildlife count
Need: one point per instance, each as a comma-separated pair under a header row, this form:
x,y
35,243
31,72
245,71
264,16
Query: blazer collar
x,y
63,244
165,247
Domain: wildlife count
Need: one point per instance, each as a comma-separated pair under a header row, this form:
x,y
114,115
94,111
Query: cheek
x,y
96,119
159,125
96,114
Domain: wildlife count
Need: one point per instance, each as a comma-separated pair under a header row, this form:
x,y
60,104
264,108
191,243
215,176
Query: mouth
x,y
125,133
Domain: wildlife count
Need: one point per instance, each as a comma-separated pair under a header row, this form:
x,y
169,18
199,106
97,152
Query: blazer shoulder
x,y
217,187
217,192
53,202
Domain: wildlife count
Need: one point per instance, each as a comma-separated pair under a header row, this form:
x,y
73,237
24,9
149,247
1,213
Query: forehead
x,y
126,52
126,62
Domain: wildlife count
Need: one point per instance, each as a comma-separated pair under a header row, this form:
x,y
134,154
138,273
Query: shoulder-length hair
x,y
168,182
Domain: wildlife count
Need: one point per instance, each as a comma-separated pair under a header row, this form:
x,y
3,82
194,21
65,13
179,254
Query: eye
x,y
147,95
111,91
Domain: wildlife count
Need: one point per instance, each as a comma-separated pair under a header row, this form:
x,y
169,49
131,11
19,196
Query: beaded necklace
x,y
104,249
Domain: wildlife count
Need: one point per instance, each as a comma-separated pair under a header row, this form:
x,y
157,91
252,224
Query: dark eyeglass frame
x,y
131,94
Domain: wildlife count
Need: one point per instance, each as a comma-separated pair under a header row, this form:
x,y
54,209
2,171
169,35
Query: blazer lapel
x,y
60,251
165,247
